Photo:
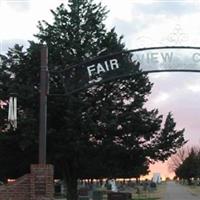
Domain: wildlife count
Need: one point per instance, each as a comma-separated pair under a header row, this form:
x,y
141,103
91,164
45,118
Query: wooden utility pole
x,y
43,104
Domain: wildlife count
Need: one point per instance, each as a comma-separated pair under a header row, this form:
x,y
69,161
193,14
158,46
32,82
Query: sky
x,y
143,23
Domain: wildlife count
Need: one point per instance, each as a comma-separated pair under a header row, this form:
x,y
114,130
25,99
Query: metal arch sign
x,y
125,63
170,58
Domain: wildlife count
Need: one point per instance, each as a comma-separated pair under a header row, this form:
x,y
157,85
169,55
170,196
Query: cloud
x,y
121,10
19,18
169,8
155,23
161,97
19,5
194,88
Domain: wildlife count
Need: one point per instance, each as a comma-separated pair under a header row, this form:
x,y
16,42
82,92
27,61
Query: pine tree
x,y
16,145
168,140
190,167
82,35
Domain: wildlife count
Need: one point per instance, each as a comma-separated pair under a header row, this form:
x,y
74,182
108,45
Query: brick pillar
x,y
41,182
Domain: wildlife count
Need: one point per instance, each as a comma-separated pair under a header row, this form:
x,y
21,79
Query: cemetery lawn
x,y
194,189
157,194
147,198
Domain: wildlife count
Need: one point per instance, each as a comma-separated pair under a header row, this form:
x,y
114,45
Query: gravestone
x,y
100,195
119,196
83,193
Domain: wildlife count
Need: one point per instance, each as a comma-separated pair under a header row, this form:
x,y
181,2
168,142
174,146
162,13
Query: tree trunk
x,y
189,181
69,171
72,189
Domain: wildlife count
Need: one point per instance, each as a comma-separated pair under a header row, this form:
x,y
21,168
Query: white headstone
x,y
156,178
113,185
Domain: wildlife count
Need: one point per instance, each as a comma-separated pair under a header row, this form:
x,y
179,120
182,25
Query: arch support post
x,y
43,104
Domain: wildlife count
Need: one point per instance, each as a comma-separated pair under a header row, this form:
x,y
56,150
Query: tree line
x,y
189,167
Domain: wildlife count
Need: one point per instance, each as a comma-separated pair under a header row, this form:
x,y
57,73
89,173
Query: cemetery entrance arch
x,y
125,63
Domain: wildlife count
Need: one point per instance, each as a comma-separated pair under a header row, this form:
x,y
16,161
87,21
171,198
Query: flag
x,y
12,112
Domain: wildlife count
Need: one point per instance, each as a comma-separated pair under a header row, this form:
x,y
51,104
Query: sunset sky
x,y
143,23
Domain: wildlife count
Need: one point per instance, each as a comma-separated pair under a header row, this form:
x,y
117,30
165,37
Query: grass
x,y
146,198
195,190
150,195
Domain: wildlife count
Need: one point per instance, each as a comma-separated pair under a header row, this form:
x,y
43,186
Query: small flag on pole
x,y
12,112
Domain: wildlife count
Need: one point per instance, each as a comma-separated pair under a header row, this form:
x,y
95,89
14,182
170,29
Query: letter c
x,y
196,57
